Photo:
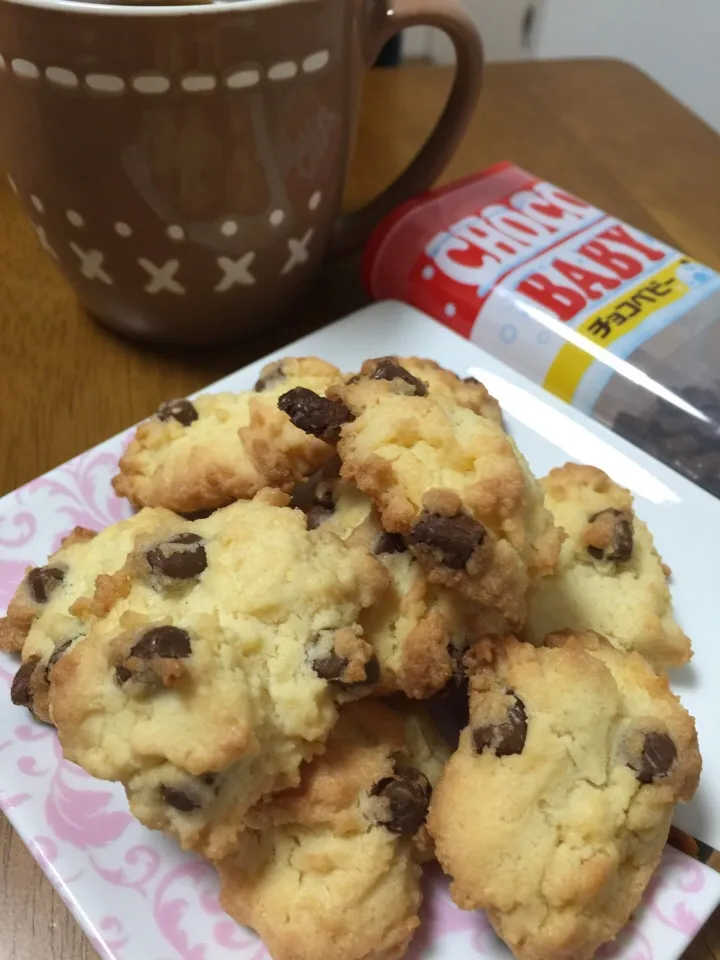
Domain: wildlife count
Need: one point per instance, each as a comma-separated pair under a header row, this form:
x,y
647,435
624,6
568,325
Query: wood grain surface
x,y
599,128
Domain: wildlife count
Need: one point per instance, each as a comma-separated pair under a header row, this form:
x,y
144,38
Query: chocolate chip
x,y
192,793
313,414
703,466
621,546
181,410
186,538
322,504
457,656
408,796
316,500
679,438
42,581
199,514
182,557
323,495
507,738
271,375
182,800
655,762
699,396
159,648
387,368
454,539
57,653
389,543
471,380
20,689
316,516
170,643
372,670
675,419
450,707
683,445
330,667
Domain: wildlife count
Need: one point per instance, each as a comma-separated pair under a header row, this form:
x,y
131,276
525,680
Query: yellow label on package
x,y
616,320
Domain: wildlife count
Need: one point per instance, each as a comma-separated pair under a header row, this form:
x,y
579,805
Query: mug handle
x,y
384,20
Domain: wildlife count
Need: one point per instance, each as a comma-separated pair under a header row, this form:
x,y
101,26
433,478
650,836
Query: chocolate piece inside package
x,y
613,321
690,444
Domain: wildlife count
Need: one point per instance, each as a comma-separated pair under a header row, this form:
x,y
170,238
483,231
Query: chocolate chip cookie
x,y
610,577
205,683
443,476
553,813
419,629
202,454
55,603
437,380
331,869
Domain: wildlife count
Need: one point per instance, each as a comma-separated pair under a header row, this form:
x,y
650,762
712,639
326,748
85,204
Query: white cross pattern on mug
x,y
162,278
298,251
91,264
235,272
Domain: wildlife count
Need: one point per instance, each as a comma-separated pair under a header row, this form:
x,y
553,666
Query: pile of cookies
x,y
323,573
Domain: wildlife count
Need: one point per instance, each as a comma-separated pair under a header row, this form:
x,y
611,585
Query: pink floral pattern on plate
x,y
136,894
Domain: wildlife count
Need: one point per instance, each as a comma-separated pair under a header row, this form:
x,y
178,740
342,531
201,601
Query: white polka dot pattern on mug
x,y
316,61
153,83
198,83
62,77
239,79
24,68
283,71
105,83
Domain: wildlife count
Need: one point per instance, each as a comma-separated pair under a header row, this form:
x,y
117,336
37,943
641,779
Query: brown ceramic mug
x,y
185,164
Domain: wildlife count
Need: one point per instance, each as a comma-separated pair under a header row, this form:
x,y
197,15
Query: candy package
x,y
604,316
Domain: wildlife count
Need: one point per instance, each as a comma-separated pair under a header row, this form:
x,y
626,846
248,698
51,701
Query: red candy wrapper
x,y
604,316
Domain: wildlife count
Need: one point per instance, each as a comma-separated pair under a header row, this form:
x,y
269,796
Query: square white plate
x,y
135,893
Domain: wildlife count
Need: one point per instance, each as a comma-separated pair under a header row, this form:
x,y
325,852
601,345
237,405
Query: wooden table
x,y
599,128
